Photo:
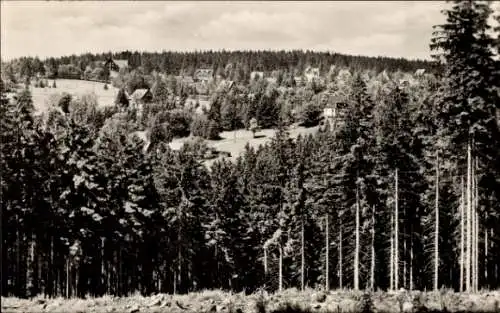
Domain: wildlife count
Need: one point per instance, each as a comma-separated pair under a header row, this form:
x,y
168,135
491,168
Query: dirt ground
x,y
307,301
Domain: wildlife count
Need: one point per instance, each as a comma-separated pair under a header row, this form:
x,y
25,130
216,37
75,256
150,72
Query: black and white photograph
x,y
250,156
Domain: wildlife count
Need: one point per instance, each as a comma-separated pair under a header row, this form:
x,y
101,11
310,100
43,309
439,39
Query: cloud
x,y
368,28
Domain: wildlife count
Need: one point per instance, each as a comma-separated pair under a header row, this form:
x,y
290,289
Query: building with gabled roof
x,y
116,65
311,73
203,74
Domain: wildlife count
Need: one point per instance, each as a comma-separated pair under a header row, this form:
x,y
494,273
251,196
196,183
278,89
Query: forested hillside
x,y
403,191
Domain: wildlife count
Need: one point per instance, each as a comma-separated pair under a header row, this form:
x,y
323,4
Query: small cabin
x,y
256,75
138,98
203,74
311,73
115,65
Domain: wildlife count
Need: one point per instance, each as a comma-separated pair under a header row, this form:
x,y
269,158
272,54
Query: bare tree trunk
x,y
30,262
396,237
67,278
436,229
411,261
486,258
356,249
476,210
327,254
372,265
18,258
265,261
462,204
280,274
468,232
302,256
473,228
51,267
340,257
391,262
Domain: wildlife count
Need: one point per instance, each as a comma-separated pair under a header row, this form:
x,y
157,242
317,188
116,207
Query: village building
x,y
256,75
115,65
334,113
138,98
299,81
311,73
272,80
203,75
420,72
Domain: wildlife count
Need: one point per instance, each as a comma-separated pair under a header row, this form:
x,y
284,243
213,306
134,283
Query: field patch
x,y
74,87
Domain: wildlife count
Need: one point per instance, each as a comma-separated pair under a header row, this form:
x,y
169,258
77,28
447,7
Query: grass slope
x,y
290,300
75,88
234,142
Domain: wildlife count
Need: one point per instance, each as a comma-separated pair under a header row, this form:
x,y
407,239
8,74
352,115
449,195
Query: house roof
x,y
203,73
121,63
139,93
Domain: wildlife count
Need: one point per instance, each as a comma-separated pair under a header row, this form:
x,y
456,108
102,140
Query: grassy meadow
x,y
290,300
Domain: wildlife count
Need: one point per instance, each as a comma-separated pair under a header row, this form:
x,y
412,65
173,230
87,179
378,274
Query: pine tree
x,y
468,103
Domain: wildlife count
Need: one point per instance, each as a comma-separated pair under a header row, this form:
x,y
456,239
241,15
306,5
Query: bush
x,y
310,115
106,87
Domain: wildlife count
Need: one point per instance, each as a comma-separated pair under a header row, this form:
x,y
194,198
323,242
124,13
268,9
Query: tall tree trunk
x,y
356,249
30,265
103,269
372,265
462,235
52,281
486,258
265,261
411,261
391,261
340,257
477,230
396,237
280,274
468,231
327,253
436,228
67,278
18,258
302,255
473,227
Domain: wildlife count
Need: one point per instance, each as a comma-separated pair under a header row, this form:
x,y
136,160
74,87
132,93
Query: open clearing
x,y
75,88
234,142
307,301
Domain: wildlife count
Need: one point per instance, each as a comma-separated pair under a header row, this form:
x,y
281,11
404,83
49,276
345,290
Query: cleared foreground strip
x,y
307,301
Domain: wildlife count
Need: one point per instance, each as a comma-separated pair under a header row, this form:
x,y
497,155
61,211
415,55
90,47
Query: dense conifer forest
x,y
402,192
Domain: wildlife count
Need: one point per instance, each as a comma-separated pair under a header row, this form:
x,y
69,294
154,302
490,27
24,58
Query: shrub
x,y
310,115
106,87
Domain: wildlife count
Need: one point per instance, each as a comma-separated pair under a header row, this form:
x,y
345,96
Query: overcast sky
x,y
398,29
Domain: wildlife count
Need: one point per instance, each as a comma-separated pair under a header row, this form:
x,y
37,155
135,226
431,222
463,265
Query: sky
x,y
383,28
